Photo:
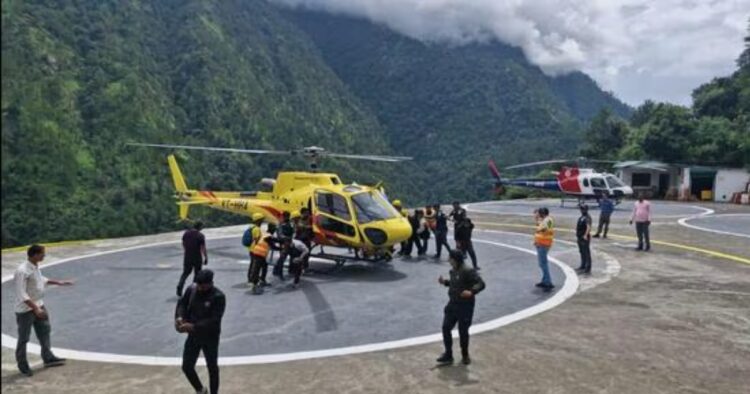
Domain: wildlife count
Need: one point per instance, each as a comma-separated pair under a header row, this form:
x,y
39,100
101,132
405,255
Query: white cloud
x,y
640,49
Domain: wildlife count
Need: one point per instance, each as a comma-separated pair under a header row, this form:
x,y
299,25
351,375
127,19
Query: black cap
x,y
204,276
456,255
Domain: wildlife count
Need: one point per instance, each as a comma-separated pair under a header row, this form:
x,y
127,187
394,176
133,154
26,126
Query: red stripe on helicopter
x,y
568,180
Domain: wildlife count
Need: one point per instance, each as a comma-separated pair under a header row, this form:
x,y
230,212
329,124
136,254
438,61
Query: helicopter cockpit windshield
x,y
372,206
613,182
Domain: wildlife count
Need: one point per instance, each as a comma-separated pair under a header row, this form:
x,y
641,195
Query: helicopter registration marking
x,y
234,204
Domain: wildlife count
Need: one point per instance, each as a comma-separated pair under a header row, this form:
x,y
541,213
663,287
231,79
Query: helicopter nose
x,y
398,230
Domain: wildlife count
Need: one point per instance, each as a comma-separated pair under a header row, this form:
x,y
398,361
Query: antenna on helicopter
x,y
312,154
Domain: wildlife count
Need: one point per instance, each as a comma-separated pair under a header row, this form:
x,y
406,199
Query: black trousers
x,y
603,223
258,269
210,347
42,329
641,230
422,247
278,268
584,247
461,313
188,266
467,247
414,240
441,239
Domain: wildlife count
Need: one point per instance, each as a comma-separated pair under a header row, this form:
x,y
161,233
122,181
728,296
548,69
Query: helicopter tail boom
x,y
179,180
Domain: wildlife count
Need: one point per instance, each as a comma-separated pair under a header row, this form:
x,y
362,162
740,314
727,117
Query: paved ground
x,y
737,224
673,320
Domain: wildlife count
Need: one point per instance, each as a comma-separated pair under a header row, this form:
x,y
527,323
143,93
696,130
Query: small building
x,y
683,181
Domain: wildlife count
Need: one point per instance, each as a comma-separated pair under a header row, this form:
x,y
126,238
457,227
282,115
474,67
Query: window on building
x,y
641,179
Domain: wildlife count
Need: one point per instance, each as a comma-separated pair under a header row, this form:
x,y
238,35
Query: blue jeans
x,y
541,253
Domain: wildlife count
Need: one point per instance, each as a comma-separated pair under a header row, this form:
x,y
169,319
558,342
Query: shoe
x,y
466,360
587,272
477,268
445,358
540,284
580,269
54,362
597,236
265,284
638,249
548,286
25,370
437,256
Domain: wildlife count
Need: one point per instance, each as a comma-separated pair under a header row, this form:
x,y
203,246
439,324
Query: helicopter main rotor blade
x,y
211,148
536,163
368,157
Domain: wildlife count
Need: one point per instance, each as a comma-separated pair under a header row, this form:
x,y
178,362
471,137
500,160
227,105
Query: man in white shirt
x,y
30,311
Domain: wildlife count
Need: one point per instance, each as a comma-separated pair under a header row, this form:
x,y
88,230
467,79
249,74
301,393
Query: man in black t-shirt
x,y
198,314
583,236
194,245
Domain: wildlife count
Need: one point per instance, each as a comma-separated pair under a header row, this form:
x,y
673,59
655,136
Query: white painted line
x,y
569,288
471,208
684,222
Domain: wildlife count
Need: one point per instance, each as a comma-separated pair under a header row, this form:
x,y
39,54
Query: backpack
x,y
247,237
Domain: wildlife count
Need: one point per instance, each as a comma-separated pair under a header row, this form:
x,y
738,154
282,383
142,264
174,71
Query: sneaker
x,y
25,370
54,362
445,358
466,360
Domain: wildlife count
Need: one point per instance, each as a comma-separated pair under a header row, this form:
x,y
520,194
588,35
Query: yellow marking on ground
x,y
709,252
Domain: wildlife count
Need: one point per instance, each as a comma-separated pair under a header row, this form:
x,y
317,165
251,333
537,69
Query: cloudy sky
x,y
639,49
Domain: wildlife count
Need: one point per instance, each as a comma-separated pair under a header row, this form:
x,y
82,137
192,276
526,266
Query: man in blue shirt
x,y
606,207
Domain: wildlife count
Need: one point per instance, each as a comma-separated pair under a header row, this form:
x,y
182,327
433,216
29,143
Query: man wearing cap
x,y
464,284
194,245
256,234
285,231
198,314
583,236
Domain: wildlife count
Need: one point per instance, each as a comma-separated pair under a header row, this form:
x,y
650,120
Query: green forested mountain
x,y
82,78
453,107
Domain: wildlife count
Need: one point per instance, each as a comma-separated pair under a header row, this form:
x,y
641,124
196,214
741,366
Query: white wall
x,y
728,182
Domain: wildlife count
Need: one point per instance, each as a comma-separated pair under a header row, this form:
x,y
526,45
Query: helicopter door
x,y
333,217
598,186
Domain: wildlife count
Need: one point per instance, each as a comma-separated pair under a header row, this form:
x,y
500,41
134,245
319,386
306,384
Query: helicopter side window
x,y
586,182
598,183
339,227
614,182
332,204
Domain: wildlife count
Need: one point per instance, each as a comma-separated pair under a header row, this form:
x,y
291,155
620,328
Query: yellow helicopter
x,y
353,216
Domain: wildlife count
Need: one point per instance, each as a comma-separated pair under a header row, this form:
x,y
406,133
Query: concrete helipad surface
x,y
660,210
737,224
123,302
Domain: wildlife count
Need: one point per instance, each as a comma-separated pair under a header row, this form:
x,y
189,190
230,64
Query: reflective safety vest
x,y
261,248
545,233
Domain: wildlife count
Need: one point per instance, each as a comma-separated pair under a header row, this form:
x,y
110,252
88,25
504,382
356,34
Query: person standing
x,y
642,217
414,240
195,256
253,234
259,261
463,286
198,313
606,207
397,204
285,231
30,310
304,232
464,230
441,231
424,234
543,239
583,236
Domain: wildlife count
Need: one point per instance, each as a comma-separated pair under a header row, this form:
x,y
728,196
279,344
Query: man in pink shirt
x,y
642,217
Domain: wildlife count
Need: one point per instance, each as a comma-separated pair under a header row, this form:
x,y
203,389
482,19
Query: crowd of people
x,y
201,306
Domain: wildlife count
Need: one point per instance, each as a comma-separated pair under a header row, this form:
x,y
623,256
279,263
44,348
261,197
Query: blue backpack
x,y
247,237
